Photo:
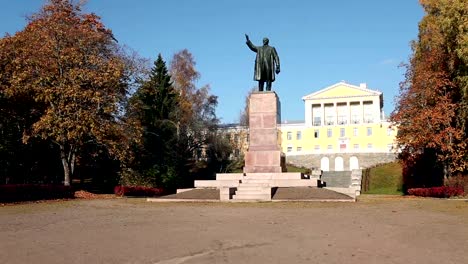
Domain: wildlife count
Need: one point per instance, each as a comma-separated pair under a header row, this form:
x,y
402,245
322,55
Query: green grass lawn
x,y
386,179
292,168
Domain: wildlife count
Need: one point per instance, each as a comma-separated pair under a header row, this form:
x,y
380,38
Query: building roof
x,y
340,90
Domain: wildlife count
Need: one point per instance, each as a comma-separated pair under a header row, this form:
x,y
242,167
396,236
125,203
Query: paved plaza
x,y
372,230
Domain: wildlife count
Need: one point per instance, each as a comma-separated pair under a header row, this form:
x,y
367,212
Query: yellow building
x,y
344,129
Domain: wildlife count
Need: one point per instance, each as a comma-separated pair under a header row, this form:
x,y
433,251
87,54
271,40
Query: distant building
x,y
238,136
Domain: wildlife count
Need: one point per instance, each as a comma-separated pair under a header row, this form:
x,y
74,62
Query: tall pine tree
x,y
154,105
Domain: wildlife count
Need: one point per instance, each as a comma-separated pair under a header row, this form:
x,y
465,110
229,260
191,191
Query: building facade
x,y
344,129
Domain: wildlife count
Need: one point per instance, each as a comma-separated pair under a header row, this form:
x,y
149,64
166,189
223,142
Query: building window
x,y
369,145
356,146
355,131
389,131
299,149
342,132
316,133
298,135
289,136
329,132
329,114
317,121
390,147
342,111
317,113
368,112
317,147
369,131
329,147
236,153
356,112
289,149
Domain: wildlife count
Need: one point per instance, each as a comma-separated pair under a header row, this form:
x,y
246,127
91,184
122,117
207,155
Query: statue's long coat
x,y
265,63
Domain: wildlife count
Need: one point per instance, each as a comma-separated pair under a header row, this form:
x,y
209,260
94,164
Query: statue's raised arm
x,y
249,44
266,63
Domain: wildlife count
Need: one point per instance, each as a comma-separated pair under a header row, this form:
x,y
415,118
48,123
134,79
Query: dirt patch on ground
x,y
308,193
205,194
372,230
296,193
88,195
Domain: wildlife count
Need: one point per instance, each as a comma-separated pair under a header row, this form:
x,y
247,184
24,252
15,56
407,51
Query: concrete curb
x,y
159,200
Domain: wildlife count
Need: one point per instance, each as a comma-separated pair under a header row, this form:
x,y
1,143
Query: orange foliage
x,y
430,103
69,63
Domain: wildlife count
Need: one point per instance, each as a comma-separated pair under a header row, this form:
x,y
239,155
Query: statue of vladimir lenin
x,y
266,63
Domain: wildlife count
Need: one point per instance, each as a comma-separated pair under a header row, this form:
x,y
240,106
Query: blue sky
x,y
319,42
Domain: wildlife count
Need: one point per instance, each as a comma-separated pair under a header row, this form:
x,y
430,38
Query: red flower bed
x,y
138,191
32,192
438,192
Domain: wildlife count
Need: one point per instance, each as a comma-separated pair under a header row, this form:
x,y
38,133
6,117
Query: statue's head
x,y
265,41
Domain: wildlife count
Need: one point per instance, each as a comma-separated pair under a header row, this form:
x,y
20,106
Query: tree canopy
x,y
431,109
68,63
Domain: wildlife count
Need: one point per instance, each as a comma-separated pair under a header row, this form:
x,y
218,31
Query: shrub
x,y
138,191
129,177
32,192
457,181
438,192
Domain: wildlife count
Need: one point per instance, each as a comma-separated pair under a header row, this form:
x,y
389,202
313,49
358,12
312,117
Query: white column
x,y
308,113
348,108
377,115
335,106
362,111
322,109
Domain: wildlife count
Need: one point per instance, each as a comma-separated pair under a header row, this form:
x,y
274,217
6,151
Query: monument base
x,y
256,186
264,161
264,152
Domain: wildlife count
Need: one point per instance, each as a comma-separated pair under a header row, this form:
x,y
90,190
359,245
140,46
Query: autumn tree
x,y
69,63
244,114
196,114
431,109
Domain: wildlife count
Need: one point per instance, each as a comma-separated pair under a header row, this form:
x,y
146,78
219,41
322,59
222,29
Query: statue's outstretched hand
x,y
277,70
247,37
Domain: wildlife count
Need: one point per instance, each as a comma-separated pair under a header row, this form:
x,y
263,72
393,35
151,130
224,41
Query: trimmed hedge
x,y
33,192
138,191
438,192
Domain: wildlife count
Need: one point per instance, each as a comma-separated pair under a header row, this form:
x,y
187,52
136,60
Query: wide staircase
x,y
256,186
253,189
340,179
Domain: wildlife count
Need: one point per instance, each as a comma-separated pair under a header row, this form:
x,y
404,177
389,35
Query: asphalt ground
x,y
375,229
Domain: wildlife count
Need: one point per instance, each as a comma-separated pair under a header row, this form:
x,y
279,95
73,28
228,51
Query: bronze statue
x,y
266,63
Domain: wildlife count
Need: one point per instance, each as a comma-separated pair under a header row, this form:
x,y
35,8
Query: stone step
x,y
257,197
229,176
337,178
216,184
256,181
260,186
274,176
253,191
294,183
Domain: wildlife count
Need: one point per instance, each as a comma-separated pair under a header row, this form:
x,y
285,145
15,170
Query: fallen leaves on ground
x,y
87,195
